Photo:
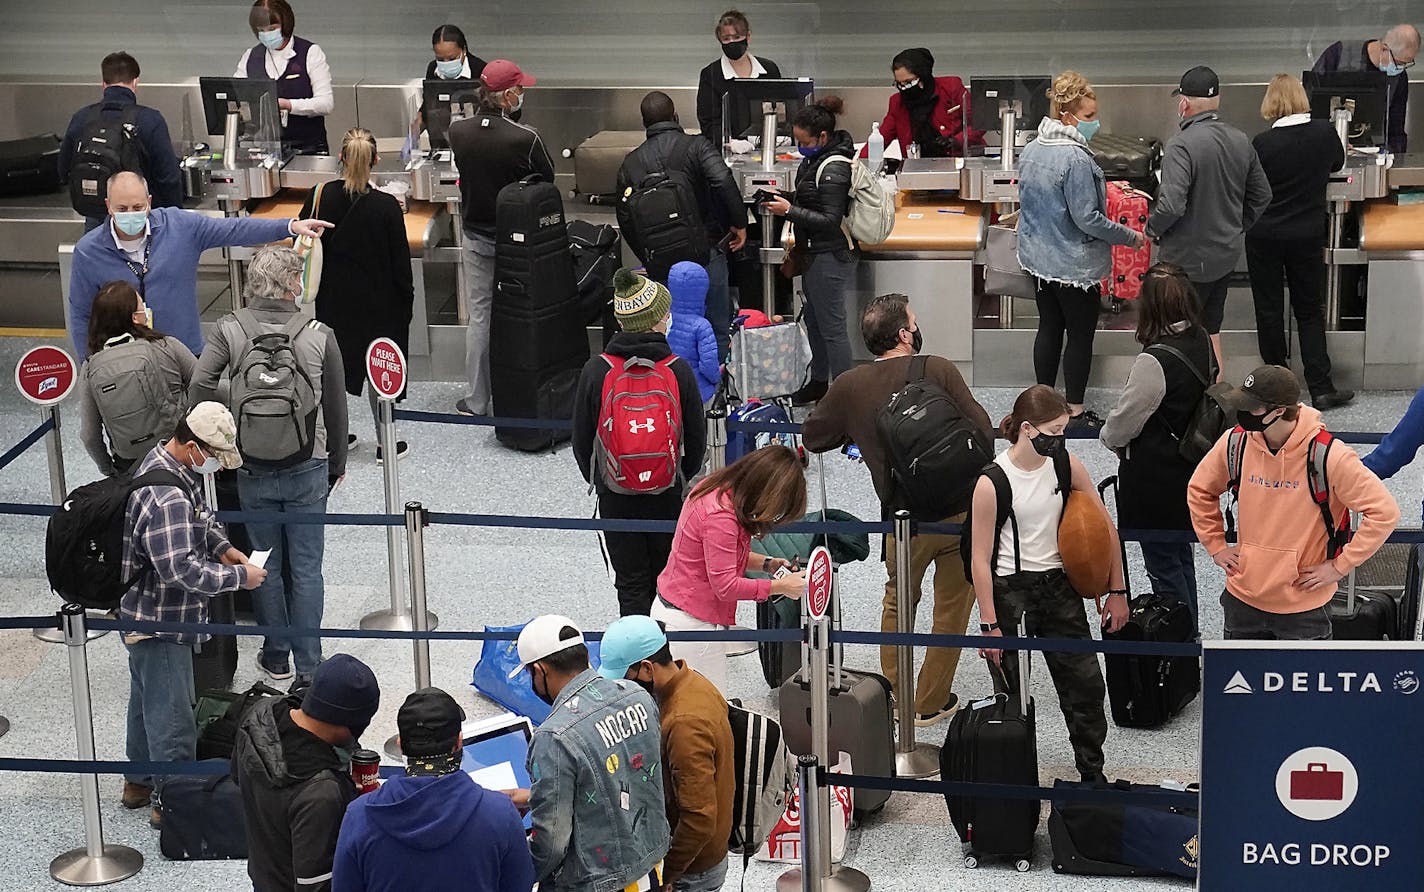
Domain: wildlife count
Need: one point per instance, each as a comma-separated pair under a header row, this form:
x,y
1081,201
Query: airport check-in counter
x,y
1392,243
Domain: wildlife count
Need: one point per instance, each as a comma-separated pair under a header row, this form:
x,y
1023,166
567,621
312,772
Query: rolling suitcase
x,y
29,166
994,741
1135,159
597,159
1381,597
215,661
1147,691
1127,206
538,341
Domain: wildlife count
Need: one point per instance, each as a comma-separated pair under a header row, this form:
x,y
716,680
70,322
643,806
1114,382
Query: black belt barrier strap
x,y
30,439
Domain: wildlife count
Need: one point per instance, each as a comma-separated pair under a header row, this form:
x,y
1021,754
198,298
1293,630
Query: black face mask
x,y
1048,445
533,684
917,340
1253,423
735,50
914,94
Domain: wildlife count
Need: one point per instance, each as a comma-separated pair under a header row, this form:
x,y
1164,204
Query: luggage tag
x,y
625,801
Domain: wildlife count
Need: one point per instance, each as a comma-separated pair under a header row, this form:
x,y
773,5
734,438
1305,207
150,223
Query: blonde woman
x,y
1287,244
1066,239
366,287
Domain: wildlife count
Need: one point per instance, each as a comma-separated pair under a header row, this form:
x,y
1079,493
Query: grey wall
x,y
665,42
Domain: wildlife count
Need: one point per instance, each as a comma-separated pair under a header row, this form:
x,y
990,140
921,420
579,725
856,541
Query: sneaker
x,y
351,442
1086,420
275,671
1332,400
136,795
810,393
925,719
462,406
402,450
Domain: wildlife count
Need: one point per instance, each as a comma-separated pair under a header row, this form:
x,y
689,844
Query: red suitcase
x,y
1129,265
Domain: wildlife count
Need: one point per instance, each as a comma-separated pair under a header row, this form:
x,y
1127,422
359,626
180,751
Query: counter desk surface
x,y
420,216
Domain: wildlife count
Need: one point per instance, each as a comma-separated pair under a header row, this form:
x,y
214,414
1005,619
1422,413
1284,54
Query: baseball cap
x,y
627,641
429,722
213,424
1268,386
501,74
541,639
1201,83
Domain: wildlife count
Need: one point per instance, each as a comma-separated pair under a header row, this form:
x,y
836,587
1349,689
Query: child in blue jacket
x,y
690,334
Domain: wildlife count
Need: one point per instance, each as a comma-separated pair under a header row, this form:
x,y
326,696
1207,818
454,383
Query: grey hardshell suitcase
x,y
597,159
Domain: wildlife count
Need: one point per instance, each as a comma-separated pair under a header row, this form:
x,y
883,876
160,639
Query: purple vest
x,y
303,134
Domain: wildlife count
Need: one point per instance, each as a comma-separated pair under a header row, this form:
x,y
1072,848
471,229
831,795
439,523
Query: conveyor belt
x,y
418,218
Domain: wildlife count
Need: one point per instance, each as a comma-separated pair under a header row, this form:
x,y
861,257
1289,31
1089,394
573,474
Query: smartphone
x,y
761,196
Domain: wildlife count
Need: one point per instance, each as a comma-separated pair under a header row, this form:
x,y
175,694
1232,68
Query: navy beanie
x,y
343,692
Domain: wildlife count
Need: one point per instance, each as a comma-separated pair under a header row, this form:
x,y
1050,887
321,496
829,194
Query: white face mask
x,y
211,464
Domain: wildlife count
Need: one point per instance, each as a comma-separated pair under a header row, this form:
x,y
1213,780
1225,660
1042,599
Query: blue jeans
x,y
160,721
707,881
1173,570
293,594
719,301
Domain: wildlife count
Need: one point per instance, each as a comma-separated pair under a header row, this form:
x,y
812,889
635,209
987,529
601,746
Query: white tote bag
x,y
784,842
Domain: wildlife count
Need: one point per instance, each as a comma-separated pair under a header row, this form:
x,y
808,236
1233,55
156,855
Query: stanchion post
x,y
398,617
912,759
416,519
96,864
55,450
716,439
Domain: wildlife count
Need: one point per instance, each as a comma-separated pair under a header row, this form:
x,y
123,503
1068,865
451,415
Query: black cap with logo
x,y
1199,83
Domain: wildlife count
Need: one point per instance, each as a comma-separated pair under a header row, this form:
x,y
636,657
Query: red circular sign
x,y
818,583
45,375
385,368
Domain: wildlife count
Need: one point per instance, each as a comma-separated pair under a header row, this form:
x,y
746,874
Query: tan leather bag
x,y
1085,543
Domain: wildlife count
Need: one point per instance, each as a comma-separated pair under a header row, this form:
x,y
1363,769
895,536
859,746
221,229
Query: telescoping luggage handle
x,y
1107,483
1354,520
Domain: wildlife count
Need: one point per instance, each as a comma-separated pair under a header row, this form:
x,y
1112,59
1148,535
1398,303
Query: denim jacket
x,y
596,801
1064,236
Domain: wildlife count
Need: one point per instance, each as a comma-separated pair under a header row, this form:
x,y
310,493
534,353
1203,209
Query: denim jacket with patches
x,y
596,801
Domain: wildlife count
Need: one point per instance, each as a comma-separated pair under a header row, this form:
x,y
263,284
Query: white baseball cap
x,y
540,638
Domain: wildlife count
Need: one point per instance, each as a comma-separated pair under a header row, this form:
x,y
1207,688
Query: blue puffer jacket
x,y
690,334
1064,234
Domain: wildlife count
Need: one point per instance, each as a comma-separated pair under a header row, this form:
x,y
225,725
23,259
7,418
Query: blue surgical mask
x,y
1089,129
1393,69
808,151
131,222
273,39
450,69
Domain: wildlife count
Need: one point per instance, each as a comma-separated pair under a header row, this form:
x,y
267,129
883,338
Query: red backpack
x,y
640,426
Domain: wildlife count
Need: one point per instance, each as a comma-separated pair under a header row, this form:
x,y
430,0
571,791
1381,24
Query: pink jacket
x,y
705,575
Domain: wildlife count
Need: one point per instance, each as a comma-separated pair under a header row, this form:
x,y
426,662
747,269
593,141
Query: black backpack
x,y
84,543
666,219
105,147
1212,417
1004,499
217,737
935,454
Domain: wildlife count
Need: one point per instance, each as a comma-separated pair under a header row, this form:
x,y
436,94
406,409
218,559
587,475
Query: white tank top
x,y
1038,506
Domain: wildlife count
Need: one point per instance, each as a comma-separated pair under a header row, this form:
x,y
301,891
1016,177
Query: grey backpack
x,y
136,402
273,399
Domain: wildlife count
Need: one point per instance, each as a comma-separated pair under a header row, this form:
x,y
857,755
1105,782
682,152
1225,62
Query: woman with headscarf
x,y
931,112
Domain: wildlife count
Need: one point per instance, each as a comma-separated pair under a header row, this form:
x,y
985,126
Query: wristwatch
x,y
766,565
986,628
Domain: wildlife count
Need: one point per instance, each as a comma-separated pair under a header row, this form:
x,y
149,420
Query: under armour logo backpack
x,y
639,442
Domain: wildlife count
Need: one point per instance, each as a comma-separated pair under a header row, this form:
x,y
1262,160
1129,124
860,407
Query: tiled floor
x,y
486,576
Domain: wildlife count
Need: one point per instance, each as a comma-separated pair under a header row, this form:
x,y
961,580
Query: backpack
x,y
273,399
1004,496
870,215
639,441
132,394
763,780
1338,535
217,736
934,452
1212,416
666,218
84,542
105,147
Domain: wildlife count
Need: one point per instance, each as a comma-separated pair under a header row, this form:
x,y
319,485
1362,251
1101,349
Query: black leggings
x,y
1065,308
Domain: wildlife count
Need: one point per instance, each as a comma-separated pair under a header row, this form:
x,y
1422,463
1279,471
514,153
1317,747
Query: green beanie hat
x,y
638,302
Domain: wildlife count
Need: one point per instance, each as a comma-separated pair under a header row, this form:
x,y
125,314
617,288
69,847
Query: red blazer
x,y
950,91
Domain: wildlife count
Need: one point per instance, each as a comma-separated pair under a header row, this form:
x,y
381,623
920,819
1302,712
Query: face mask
x,y
1089,129
645,685
273,39
808,151
131,222
1048,445
344,753
735,50
450,68
917,340
1392,69
210,465
1253,423
518,104
144,318
544,694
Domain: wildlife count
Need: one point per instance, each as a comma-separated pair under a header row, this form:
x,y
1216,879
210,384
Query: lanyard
x,y
141,269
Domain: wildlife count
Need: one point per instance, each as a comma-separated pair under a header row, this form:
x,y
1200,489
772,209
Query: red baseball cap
x,y
501,74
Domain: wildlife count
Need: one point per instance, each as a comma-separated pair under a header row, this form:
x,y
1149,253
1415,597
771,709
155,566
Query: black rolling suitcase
x,y
1135,159
993,741
538,340
1381,597
215,661
1147,691
29,166
779,659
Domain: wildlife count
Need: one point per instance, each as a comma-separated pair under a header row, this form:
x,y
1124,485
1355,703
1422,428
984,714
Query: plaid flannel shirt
x,y
172,531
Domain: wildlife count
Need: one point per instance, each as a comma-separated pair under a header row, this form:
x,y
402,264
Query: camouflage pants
x,y
1048,607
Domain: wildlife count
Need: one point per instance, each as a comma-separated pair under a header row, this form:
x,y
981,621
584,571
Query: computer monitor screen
x,y
1368,89
495,755
988,95
742,106
254,100
446,101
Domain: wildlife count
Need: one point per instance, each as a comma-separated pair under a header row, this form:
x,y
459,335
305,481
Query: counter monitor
x,y
447,101
1027,94
742,106
1369,90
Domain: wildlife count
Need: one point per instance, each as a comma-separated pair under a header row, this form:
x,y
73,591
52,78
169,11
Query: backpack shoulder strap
x,y
1191,366
1318,480
1003,512
1235,456
820,168
1063,468
156,477
297,324
916,372
247,323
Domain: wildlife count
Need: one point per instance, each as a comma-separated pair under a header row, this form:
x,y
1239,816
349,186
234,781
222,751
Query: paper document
x,y
259,558
496,777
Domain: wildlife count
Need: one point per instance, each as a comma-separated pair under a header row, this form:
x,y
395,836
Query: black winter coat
x,y
367,291
819,209
668,148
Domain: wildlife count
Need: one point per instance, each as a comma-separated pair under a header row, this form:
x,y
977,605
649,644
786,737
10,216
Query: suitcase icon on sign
x,y
1318,782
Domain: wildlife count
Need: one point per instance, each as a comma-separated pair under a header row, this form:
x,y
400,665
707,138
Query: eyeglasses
x,y
1404,66
902,86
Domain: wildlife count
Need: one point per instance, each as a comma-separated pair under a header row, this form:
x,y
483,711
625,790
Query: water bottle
x,y
875,147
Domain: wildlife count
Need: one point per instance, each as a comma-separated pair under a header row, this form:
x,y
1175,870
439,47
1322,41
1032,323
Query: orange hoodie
x,y
1280,528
